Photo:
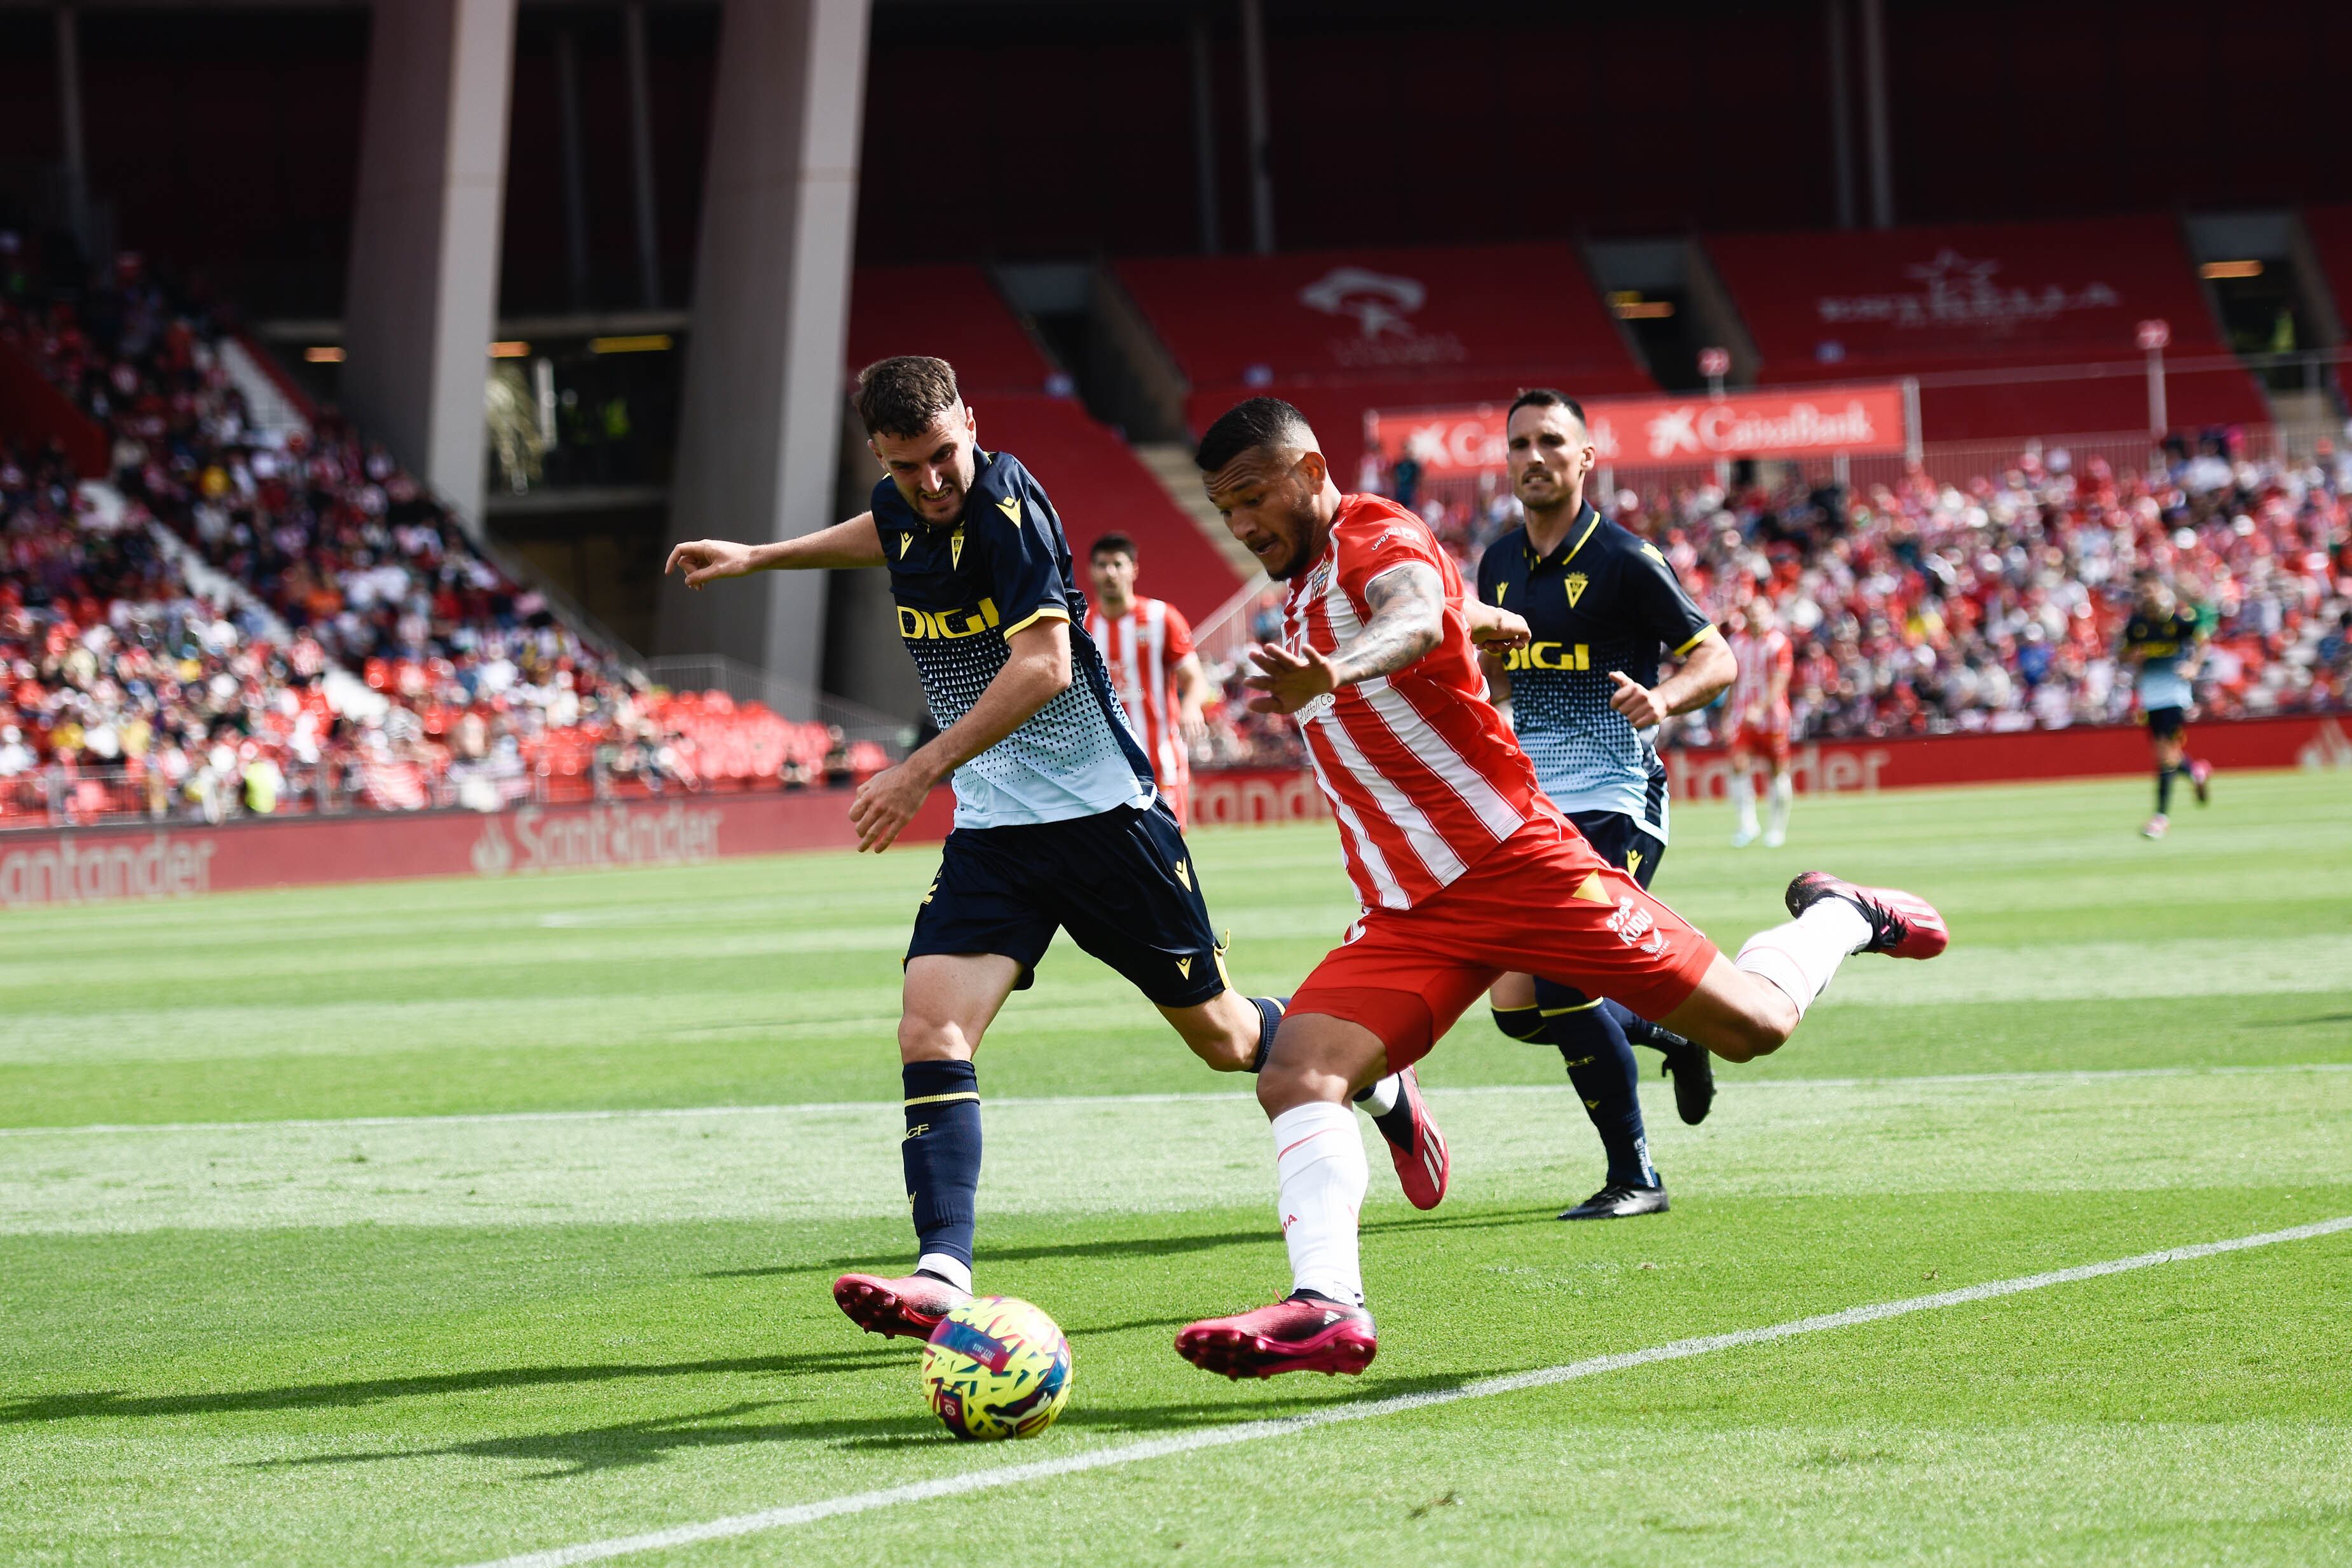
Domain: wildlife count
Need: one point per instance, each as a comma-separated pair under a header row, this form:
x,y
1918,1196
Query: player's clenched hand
x,y
1492,626
703,560
884,804
1289,681
1637,702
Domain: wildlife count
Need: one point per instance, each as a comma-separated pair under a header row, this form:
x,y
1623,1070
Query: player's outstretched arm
x,y
857,542
1036,671
1408,619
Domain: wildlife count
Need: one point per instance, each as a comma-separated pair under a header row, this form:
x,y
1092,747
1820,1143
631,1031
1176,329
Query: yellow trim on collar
x,y
1581,537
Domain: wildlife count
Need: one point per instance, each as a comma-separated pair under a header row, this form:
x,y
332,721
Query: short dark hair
x,y
903,396
1545,397
1262,422
1113,544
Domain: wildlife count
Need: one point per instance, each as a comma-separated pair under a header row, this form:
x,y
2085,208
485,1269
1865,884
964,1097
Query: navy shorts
x,y
1121,883
1622,842
2164,722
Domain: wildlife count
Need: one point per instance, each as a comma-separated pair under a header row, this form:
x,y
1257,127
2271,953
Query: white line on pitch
x,y
822,1107
1367,1409
2091,1075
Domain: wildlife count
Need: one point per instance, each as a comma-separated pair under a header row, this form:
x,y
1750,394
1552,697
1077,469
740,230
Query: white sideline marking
x,y
818,1107
1366,1410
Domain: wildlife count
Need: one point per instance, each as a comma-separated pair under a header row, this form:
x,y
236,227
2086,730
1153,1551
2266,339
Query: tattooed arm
x,y
1408,619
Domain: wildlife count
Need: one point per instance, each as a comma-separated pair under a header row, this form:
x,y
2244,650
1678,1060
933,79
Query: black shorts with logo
x,y
1121,883
1624,842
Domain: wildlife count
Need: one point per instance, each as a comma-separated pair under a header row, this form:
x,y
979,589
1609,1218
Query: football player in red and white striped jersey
x,y
1464,868
1148,647
1757,722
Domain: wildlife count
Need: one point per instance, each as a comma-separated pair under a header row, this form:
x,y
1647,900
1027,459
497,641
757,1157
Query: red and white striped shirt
x,y
1422,772
1143,648
1758,659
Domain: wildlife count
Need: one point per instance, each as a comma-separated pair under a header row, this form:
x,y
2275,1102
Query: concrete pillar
x,y
1873,87
1261,136
760,419
423,283
641,154
68,43
1841,116
575,166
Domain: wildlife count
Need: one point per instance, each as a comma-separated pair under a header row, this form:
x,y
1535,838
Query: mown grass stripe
x,y
623,1113
1003,1476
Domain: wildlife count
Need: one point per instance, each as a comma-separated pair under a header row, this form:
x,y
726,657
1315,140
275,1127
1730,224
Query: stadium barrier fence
x,y
102,864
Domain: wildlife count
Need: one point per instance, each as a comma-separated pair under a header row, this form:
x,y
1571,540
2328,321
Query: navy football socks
x,y
2164,791
1600,1065
1640,1030
941,1154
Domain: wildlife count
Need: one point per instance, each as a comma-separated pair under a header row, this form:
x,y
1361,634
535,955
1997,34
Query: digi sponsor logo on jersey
x,y
916,625
1550,656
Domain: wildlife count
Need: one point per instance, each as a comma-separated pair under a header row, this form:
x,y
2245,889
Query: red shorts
x,y
1770,737
1542,902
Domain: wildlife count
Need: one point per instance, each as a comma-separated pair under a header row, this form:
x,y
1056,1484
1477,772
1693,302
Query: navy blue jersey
x,y
2165,647
962,592
1605,600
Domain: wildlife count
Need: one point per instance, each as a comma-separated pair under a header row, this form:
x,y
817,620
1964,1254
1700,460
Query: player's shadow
x,y
370,1391
1139,1246
630,1444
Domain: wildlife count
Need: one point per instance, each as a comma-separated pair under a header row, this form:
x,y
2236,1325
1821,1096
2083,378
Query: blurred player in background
x,y
1756,722
2161,643
1464,869
1153,668
1601,606
1058,826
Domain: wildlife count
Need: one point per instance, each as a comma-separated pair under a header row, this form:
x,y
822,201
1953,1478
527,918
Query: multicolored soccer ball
x,y
997,1367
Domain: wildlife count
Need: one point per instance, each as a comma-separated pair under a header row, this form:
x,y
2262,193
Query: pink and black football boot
x,y
911,1307
1300,1333
1901,925
1416,1147
2201,779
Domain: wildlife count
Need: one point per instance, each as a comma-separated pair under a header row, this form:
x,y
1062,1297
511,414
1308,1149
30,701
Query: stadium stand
x,y
1024,405
1987,316
240,621
1997,605
1341,332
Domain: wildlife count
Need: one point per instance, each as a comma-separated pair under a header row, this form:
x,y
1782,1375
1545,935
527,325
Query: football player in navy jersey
x,y
1058,824
1602,609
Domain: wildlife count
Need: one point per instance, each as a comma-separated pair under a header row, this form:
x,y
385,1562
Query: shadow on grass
x,y
631,1444
369,1391
1138,1246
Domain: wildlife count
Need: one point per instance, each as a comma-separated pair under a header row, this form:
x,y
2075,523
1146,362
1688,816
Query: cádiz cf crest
x,y
1575,582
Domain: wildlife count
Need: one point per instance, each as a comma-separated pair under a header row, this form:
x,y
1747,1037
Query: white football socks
x,y
1742,789
1319,1161
954,1271
1802,956
1381,1097
1777,797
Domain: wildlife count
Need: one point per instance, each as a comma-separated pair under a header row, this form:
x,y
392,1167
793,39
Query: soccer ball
x,y
997,1367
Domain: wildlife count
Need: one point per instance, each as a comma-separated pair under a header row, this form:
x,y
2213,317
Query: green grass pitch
x,y
436,1223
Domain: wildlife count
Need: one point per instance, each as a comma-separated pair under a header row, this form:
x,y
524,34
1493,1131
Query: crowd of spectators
x,y
248,620
1920,607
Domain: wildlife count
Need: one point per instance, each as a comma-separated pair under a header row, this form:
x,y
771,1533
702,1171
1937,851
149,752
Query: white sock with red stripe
x,y
1742,790
1802,955
1319,1161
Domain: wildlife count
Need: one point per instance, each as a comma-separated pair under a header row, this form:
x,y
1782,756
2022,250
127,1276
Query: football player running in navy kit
x,y
1057,823
2161,646
1601,605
